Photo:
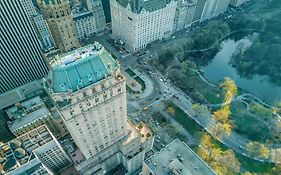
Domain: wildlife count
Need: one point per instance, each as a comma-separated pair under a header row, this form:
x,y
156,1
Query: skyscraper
x,y
21,60
60,20
90,93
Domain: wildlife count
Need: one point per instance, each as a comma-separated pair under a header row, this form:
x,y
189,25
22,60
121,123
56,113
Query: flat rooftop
x,y
26,112
18,153
177,158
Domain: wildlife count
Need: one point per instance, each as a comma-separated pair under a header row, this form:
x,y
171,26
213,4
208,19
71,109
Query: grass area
x,y
130,72
253,165
254,124
182,118
131,91
141,82
199,90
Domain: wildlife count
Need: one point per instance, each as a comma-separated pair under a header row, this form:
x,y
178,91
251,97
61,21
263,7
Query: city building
x,y
198,11
34,152
176,158
90,93
184,14
213,8
125,156
40,26
60,20
85,24
20,54
237,3
96,7
30,114
139,22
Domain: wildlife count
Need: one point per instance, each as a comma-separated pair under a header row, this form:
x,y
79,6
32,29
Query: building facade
x,y
85,24
184,14
96,7
40,25
138,23
213,8
20,54
60,20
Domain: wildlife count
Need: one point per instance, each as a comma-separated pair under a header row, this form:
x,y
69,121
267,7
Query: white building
x,y
84,24
213,8
176,158
90,93
139,22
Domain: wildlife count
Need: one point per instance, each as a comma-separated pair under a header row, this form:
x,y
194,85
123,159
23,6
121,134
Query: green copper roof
x,y
81,68
149,5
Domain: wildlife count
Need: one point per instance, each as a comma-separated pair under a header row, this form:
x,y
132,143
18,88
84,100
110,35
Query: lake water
x,y
220,67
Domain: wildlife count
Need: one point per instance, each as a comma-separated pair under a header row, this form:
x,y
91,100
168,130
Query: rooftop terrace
x,y
80,68
177,158
18,152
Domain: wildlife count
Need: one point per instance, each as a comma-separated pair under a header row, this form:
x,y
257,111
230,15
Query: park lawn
x,y
183,119
130,72
141,82
200,91
253,165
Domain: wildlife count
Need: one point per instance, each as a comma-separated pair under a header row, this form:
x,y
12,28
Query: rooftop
x,y
137,6
80,68
27,112
145,131
17,155
177,158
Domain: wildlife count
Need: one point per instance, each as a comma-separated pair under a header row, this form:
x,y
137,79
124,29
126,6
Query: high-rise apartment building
x,y
40,25
96,7
184,14
60,20
21,60
139,22
213,8
85,24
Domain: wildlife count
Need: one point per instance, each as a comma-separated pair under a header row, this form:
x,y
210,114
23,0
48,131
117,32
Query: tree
x,y
257,149
199,109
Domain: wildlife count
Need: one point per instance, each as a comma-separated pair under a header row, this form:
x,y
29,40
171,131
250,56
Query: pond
x,y
220,67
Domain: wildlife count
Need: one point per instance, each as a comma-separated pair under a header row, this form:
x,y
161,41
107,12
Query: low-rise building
x,y
30,114
176,158
34,152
